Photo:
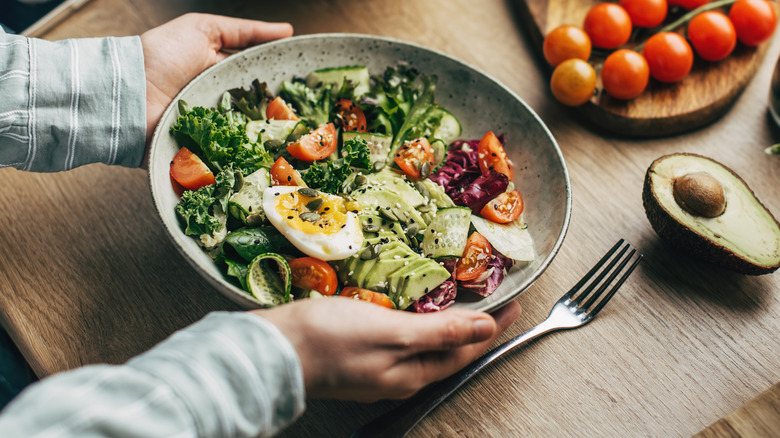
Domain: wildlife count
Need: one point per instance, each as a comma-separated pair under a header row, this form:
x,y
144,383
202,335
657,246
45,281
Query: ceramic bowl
x,y
477,100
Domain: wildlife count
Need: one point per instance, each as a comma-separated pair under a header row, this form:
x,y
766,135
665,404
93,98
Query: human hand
x,y
355,350
180,49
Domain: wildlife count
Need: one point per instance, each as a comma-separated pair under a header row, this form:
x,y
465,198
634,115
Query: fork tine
x,y
619,283
594,282
614,273
592,271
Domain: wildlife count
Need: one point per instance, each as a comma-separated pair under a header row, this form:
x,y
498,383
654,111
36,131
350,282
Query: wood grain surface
x,y
760,417
87,274
701,97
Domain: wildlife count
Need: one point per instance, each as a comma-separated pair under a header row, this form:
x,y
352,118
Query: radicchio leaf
x,y
486,187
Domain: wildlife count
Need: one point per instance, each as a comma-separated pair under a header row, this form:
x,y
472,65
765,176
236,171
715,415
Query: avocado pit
x,y
700,193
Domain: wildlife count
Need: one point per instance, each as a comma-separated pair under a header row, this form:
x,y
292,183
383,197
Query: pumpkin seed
x,y
412,229
425,169
314,204
378,165
368,253
422,189
371,228
308,191
310,216
377,248
388,213
361,180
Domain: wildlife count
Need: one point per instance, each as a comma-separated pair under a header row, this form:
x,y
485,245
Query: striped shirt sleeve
x,y
71,102
232,374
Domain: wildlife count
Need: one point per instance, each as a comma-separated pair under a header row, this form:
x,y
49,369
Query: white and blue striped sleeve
x,y
232,374
71,102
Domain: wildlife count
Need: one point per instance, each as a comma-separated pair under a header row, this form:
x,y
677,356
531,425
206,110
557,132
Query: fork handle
x,y
399,421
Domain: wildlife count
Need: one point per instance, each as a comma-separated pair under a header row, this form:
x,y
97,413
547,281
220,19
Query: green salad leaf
x,y
329,176
219,139
314,105
252,101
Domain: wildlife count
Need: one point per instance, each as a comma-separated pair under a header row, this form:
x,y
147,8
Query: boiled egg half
x,y
318,224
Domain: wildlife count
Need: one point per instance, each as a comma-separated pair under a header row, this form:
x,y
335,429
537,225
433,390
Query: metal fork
x,y
572,310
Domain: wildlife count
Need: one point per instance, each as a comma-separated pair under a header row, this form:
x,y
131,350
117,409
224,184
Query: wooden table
x,y
87,274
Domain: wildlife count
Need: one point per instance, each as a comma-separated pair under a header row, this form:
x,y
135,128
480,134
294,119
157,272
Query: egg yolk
x,y
332,213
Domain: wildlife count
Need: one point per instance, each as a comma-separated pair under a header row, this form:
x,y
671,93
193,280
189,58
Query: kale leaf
x,y
314,105
219,139
329,176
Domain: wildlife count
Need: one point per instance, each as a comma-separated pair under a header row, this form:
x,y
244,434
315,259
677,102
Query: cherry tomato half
x,y
573,82
190,171
283,174
357,293
625,74
608,25
754,21
316,145
645,13
669,56
313,274
504,208
492,156
412,154
566,42
712,35
280,110
350,116
476,257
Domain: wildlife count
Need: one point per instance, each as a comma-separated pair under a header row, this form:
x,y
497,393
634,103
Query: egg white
x,y
335,246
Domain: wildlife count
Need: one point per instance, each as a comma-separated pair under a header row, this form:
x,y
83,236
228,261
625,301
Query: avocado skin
x,y
688,241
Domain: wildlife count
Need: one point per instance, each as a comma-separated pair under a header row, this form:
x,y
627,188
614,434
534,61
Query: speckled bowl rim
x,y
237,295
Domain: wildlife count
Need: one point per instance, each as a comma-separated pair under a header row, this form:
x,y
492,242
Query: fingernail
x,y
483,329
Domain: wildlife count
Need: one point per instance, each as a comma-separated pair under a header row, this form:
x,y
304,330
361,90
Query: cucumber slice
x,y
357,74
512,240
246,204
269,279
449,128
447,233
261,131
378,144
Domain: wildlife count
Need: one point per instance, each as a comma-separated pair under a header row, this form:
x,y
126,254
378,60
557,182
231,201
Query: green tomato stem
x,y
688,16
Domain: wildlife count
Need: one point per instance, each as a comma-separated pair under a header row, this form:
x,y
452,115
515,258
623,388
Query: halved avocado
x,y
703,208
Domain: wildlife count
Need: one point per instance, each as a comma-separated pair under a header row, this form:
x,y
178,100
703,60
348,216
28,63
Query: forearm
x,y
71,102
231,374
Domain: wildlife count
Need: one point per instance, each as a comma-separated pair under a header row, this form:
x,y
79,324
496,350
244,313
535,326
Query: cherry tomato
x,y
476,257
608,25
688,4
712,35
645,13
412,154
283,174
316,145
573,82
313,274
566,42
754,21
280,110
190,171
357,293
350,116
625,74
504,208
669,56
492,156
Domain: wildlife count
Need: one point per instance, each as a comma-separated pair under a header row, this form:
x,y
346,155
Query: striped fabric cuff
x,y
87,103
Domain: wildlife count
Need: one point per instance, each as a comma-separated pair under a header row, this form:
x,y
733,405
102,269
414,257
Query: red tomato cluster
x,y
667,56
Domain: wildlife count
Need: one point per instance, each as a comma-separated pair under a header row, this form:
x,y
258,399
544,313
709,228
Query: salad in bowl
x,y
354,165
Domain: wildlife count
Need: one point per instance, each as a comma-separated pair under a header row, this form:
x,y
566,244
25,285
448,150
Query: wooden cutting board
x,y
663,109
758,418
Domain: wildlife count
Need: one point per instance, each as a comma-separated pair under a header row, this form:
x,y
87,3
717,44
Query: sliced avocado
x,y
389,204
393,256
722,222
416,279
388,179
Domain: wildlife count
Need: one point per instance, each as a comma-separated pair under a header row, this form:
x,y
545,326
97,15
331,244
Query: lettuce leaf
x,y
329,176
